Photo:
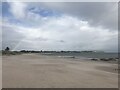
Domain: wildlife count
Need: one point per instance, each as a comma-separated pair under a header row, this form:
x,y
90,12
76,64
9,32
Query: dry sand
x,y
40,71
0,72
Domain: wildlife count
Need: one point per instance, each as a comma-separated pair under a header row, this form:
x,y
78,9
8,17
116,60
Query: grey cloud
x,y
68,36
96,13
62,41
40,39
10,37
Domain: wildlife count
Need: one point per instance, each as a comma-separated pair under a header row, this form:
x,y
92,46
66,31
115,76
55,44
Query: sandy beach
x,y
42,71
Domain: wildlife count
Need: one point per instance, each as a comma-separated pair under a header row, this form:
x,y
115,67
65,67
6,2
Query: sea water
x,y
86,55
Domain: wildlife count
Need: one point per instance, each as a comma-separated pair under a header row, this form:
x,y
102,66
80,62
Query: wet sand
x,y
42,71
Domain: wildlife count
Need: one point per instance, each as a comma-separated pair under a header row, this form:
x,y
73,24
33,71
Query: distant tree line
x,y
27,51
7,51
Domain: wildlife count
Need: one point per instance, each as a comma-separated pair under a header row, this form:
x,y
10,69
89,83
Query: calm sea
x,y
87,55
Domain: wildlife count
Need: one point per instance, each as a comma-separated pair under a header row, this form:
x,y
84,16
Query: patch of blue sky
x,y
18,22
14,21
0,8
5,10
45,12
6,14
24,22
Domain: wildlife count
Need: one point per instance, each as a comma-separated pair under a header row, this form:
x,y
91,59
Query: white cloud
x,y
96,13
75,34
65,32
18,9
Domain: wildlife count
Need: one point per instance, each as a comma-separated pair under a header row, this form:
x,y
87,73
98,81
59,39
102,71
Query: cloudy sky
x,y
60,26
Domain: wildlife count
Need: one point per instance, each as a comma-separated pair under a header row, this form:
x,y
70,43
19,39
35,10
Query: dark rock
x,y
108,59
94,59
104,59
112,59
